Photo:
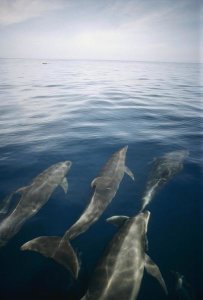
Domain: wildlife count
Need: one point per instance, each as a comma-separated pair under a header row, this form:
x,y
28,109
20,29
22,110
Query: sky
x,y
141,30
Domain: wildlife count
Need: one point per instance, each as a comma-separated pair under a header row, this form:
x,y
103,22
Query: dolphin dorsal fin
x,y
117,220
153,270
64,185
129,172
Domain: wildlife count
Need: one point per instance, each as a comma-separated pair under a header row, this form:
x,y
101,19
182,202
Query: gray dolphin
x,y
33,197
179,280
182,289
105,188
163,169
120,271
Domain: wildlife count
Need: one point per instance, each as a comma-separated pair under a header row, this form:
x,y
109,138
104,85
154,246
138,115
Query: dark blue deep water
x,y
84,111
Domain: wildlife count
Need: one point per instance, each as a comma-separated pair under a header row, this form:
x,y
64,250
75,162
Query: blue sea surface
x,y
84,111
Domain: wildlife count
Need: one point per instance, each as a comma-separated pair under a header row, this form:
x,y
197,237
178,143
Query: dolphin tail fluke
x,y
5,204
153,270
56,248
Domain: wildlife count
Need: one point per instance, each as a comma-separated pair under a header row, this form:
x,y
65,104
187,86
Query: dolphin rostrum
x,y
163,169
105,188
120,271
33,197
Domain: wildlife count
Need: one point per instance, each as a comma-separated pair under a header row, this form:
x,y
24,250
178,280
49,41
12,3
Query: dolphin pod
x,y
33,197
119,273
105,187
163,169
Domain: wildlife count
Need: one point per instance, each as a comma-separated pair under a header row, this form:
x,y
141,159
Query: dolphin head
x,y
177,155
142,220
122,152
68,163
65,166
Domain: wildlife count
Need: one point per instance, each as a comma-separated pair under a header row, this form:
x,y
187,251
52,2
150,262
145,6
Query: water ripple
x,y
103,101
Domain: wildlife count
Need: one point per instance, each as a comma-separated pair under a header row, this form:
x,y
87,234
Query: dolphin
x,y
179,280
105,187
120,271
182,289
163,169
33,197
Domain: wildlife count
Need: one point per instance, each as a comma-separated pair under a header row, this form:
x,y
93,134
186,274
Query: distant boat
x,y
44,63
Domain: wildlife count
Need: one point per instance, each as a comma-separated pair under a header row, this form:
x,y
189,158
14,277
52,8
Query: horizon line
x,y
118,60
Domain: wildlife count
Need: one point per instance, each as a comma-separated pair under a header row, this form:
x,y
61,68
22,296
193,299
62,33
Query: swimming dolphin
x,y
163,169
179,280
120,271
182,289
33,197
105,188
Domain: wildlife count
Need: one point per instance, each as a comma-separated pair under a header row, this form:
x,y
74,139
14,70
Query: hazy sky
x,y
153,30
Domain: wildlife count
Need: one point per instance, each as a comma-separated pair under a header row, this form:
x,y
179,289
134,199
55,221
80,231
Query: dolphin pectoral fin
x,y
117,220
64,185
129,172
153,270
56,248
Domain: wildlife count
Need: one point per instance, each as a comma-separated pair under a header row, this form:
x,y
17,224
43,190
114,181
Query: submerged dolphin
x,y
182,289
119,273
105,187
163,169
179,280
33,197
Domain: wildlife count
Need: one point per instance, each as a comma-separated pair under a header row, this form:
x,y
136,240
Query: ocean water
x,y
84,111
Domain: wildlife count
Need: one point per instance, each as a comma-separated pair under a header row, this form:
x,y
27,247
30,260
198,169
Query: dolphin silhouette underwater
x,y
163,169
105,187
33,197
120,271
182,289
